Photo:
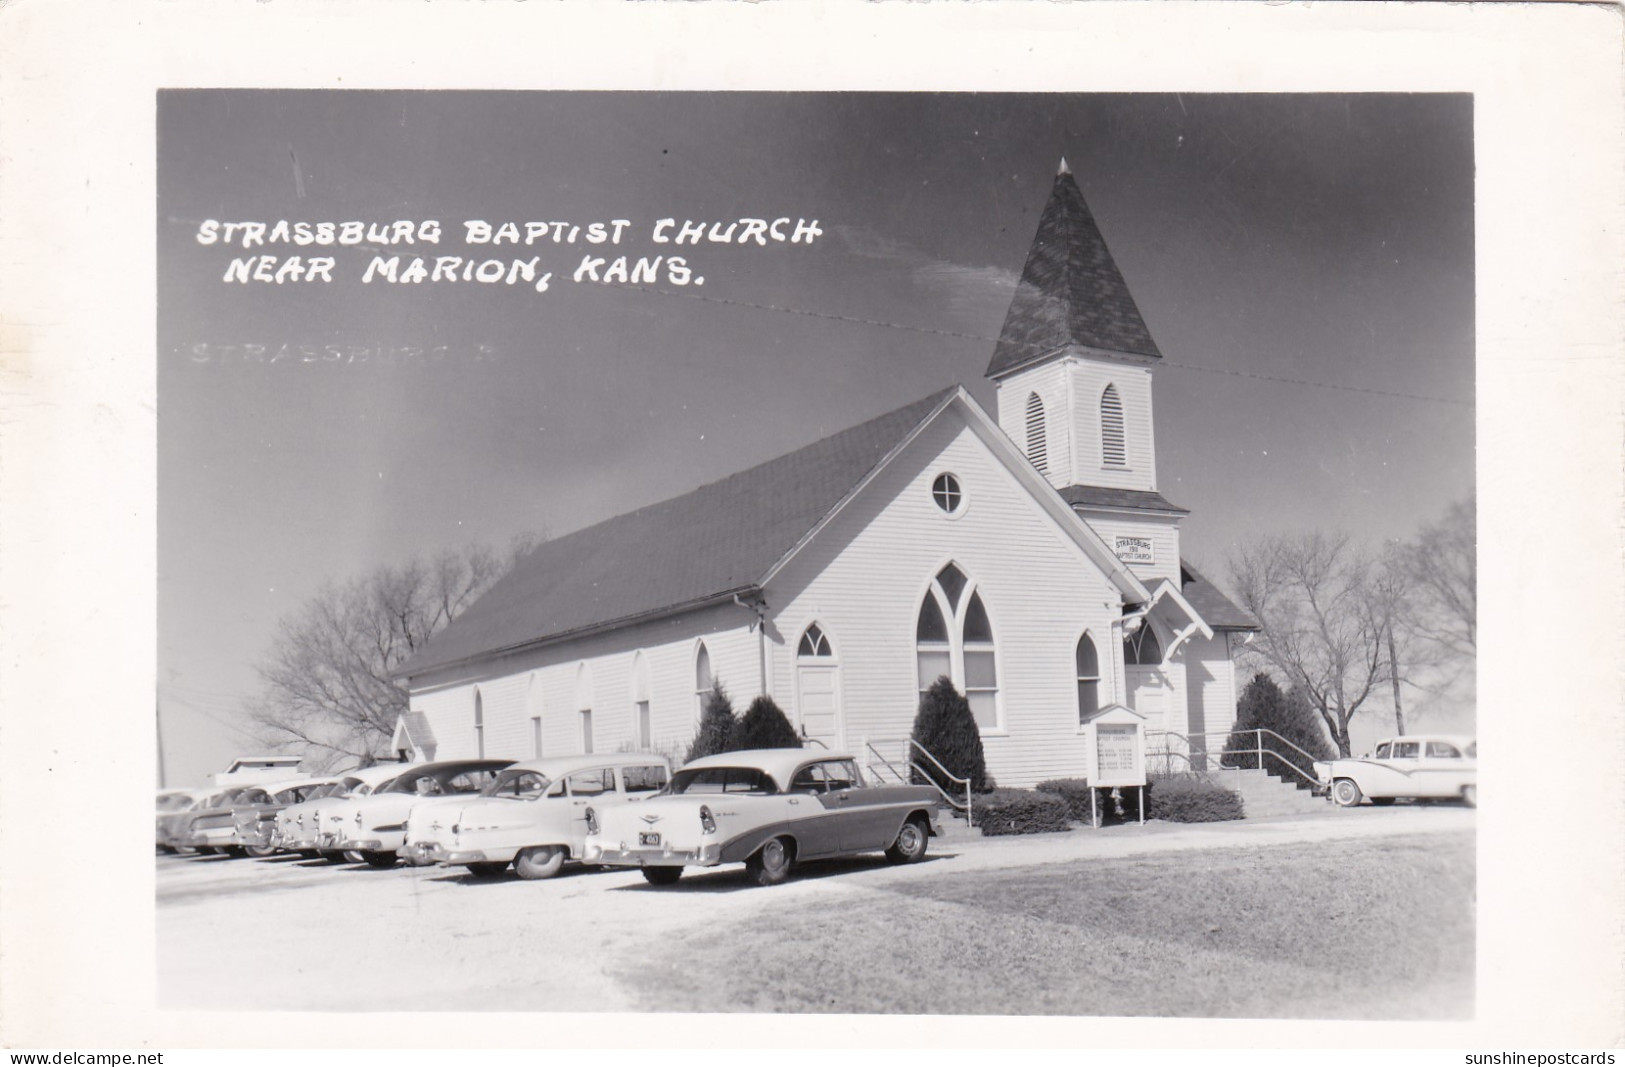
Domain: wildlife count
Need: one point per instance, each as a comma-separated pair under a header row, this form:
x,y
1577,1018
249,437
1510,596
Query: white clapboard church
x,y
1025,554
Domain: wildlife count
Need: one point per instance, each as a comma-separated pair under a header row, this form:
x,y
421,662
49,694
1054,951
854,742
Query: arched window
x,y
479,724
1113,446
1088,679
642,726
584,702
533,701
1141,648
702,677
953,639
1037,449
814,644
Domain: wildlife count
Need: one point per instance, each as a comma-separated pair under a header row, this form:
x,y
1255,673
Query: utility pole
x,y
158,718
1393,674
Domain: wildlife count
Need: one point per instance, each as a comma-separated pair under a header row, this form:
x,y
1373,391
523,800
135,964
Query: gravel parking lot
x,y
351,938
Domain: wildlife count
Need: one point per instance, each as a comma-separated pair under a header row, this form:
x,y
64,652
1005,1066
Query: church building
x,y
1025,554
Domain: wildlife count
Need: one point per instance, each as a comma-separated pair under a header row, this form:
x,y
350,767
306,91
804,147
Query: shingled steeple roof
x,y
1071,292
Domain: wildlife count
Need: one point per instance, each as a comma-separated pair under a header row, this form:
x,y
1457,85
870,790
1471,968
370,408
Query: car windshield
x,y
174,802
523,785
723,780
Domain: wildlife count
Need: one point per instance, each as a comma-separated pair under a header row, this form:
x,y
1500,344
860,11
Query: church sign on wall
x,y
1135,550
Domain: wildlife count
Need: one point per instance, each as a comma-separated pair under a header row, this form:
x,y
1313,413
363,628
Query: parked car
x,y
299,825
767,809
1416,766
532,815
375,825
174,808
256,823
213,827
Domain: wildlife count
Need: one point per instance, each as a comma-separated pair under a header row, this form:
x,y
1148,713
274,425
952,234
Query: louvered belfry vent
x,y
1113,449
1037,448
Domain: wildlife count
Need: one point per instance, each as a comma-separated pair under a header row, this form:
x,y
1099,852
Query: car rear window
x,y
724,780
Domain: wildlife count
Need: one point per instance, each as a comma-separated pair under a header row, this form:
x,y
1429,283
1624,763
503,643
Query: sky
x,y
1304,263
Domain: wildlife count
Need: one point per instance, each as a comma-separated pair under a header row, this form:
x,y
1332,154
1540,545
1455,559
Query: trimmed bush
x,y
764,726
717,725
1124,807
945,727
1021,811
1191,800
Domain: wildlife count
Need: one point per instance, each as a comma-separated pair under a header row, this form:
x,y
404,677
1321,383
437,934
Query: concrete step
x,y
1263,795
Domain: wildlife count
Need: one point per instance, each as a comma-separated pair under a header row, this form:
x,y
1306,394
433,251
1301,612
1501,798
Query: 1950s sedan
x,y
375,825
768,809
1416,765
533,815
299,826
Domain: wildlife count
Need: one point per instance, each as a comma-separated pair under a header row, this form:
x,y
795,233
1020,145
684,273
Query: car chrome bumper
x,y
704,856
365,844
423,854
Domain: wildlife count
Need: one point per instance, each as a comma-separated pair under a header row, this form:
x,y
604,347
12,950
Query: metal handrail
x,y
953,801
1258,750
970,810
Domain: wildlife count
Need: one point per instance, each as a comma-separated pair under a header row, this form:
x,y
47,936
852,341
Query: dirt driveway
x,y
351,938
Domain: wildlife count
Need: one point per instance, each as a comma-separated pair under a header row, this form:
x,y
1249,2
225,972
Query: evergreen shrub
x,y
1191,799
1020,811
717,725
764,726
1264,705
945,727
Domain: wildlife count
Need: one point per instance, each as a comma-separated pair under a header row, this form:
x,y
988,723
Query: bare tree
x,y
326,678
1442,565
1323,622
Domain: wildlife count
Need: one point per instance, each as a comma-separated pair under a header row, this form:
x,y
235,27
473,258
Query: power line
x,y
959,335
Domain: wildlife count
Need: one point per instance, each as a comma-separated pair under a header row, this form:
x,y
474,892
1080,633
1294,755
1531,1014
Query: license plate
x,y
648,839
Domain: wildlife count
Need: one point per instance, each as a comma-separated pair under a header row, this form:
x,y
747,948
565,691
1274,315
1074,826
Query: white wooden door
x,y
1148,695
818,703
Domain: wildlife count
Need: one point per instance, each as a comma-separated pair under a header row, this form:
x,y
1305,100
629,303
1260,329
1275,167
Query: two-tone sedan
x,y
533,815
765,808
375,825
1420,766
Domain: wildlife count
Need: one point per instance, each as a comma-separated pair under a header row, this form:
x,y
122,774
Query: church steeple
x,y
1071,294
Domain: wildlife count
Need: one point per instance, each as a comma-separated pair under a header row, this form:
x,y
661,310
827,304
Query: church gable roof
x,y
698,548
1071,292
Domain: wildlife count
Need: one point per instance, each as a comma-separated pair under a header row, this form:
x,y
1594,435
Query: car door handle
x,y
793,800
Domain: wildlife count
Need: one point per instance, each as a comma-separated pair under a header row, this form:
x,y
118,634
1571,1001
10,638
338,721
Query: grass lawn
x,y
1344,929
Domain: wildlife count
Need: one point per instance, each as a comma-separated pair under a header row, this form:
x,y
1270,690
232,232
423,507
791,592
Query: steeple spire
x,y
1071,292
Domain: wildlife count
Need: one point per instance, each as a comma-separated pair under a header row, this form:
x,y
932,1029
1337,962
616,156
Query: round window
x,y
945,491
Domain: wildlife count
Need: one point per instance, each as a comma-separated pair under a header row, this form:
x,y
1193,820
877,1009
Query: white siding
x,y
1088,381
543,682
1210,698
1163,534
1048,380
864,576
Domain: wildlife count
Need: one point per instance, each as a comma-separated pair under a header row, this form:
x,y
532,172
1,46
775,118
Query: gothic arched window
x,y
953,639
1037,447
1141,648
1088,679
1113,442
814,644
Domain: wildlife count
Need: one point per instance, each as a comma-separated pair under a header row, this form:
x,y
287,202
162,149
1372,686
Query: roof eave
x,y
709,600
